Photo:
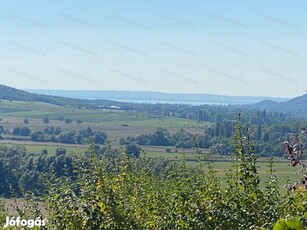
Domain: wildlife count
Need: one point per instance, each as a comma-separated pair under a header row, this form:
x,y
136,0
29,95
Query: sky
x,y
238,47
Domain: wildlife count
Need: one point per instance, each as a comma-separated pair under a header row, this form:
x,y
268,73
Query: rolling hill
x,y
13,94
295,106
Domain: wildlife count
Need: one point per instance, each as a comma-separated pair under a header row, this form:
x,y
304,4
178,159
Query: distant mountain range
x,y
102,99
295,106
153,97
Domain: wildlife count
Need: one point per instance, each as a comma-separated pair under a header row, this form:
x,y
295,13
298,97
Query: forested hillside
x,y
12,94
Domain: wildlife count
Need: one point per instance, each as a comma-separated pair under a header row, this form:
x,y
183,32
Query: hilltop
x,y
13,94
295,106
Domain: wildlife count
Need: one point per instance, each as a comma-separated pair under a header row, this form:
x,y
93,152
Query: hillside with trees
x,y
12,94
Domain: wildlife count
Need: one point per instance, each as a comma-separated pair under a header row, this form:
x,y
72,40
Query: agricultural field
x,y
283,171
37,148
114,123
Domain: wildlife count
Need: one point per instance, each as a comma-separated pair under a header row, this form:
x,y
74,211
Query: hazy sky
x,y
236,47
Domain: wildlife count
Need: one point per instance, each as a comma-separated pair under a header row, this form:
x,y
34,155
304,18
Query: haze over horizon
x,y
59,92
235,48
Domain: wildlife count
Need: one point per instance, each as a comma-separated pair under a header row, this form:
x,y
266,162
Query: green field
x,y
38,110
221,165
115,123
37,148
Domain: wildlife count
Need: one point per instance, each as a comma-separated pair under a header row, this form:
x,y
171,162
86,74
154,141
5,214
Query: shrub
x,y
123,192
46,119
60,151
68,121
44,151
120,191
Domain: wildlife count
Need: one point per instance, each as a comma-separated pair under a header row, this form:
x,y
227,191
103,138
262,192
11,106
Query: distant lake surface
x,y
158,97
140,101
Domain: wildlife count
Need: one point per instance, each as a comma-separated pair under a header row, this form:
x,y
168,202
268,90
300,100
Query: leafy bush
x,y
120,191
3,213
46,119
124,192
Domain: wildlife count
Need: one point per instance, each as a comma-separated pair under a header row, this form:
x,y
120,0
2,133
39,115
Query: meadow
x,y
115,123
118,124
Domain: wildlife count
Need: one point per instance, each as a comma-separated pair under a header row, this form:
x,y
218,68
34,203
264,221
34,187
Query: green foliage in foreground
x,y
123,192
128,193
2,212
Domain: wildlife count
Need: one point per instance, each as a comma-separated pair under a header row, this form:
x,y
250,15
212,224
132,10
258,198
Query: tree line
x,y
55,134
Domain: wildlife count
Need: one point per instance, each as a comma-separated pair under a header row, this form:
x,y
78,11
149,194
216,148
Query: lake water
x,y
176,102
